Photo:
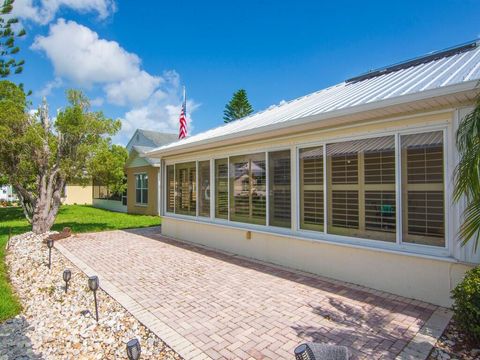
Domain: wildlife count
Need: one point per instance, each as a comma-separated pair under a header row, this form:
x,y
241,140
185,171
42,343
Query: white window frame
x,y
141,190
295,231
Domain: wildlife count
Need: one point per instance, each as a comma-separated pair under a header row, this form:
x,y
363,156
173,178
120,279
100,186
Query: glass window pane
x,y
138,181
221,188
204,188
311,188
280,188
248,188
185,202
138,196
144,196
170,188
423,189
145,181
361,188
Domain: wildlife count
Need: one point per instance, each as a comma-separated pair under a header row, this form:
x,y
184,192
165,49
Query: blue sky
x,y
132,57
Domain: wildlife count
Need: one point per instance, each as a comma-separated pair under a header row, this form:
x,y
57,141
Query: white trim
x,y
343,112
212,189
296,231
197,194
267,189
141,204
398,190
428,252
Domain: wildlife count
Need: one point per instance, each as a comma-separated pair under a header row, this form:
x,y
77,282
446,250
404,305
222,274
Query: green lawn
x,y
78,218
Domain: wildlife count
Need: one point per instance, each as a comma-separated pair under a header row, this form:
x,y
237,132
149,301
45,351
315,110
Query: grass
x,y
78,218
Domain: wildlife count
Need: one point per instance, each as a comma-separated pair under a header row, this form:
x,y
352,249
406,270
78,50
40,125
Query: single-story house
x,y
142,171
7,193
352,182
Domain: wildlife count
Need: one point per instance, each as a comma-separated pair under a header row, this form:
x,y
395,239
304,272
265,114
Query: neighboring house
x,y
77,195
7,193
352,182
142,171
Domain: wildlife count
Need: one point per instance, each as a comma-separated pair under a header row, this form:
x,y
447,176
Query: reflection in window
x,y
280,188
361,188
221,188
185,177
423,188
170,188
311,188
248,189
204,188
141,189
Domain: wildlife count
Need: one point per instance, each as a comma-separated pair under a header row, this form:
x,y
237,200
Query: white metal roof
x,y
440,74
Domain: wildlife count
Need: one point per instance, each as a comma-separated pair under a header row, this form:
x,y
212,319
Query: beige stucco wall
x,y
407,275
152,207
77,194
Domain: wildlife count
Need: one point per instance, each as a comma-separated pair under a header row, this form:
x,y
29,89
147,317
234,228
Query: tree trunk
x,y
48,203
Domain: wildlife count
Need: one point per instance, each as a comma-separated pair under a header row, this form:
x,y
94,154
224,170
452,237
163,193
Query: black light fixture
x,y
303,352
67,275
133,349
93,285
50,246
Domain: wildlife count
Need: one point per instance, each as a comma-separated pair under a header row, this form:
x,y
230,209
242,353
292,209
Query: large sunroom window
x,y
361,188
186,198
279,188
170,188
221,188
248,188
311,188
204,188
423,188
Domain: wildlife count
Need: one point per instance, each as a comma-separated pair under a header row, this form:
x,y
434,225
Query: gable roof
x,y
430,79
150,139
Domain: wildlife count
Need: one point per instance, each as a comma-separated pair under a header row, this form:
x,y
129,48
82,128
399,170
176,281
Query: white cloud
x,y
47,89
77,53
81,56
162,111
44,11
98,101
134,89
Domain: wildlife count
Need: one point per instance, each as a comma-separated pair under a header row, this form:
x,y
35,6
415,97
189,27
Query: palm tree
x,y
467,175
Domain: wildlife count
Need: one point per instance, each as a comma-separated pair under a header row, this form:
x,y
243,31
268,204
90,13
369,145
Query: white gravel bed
x,y
59,325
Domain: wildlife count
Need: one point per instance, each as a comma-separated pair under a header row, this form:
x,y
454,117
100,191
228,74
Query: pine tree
x,y
238,107
8,34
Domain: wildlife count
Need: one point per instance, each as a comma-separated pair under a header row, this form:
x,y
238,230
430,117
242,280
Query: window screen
x,y
423,188
361,188
248,188
204,188
311,188
221,188
280,188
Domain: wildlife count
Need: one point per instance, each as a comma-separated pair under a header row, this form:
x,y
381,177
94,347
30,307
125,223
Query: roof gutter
x,y
398,100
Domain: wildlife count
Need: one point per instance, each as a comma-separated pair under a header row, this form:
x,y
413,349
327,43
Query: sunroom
x,y
353,182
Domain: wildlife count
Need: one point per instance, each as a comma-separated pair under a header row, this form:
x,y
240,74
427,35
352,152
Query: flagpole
x,y
185,101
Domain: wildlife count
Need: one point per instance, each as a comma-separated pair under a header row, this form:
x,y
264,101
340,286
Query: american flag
x,y
183,118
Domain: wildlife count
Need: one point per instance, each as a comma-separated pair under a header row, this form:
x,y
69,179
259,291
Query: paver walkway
x,y
208,304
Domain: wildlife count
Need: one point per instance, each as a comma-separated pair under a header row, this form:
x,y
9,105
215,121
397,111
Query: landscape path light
x,y
93,285
133,349
50,246
67,275
303,352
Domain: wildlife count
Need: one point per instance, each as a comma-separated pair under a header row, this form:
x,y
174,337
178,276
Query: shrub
x,y
466,308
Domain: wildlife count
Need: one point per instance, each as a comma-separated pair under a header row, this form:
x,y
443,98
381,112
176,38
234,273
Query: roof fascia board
x,y
398,100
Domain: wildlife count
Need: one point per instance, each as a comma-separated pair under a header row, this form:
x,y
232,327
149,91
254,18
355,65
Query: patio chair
x,y
317,351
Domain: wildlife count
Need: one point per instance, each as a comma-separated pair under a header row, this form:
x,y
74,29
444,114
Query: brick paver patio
x,y
207,304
